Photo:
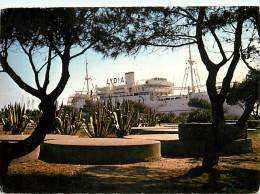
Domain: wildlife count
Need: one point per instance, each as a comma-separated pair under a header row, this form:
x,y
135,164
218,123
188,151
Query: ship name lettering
x,y
115,80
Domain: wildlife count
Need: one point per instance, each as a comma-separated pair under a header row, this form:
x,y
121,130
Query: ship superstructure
x,y
156,92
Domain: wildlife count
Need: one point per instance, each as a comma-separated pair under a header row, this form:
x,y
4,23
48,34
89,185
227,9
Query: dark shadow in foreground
x,y
136,179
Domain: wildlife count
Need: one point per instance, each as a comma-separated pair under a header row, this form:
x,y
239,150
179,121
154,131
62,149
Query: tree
x,y
246,94
56,33
226,28
201,113
199,103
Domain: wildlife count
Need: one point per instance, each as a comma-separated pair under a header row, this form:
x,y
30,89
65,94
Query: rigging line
x,y
83,87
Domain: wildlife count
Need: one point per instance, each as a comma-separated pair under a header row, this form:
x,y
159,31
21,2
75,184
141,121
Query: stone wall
x,y
200,131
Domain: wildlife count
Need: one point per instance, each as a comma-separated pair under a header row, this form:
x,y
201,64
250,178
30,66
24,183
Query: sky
x,y
168,64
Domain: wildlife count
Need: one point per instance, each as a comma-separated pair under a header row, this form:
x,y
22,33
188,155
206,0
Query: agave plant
x,y
123,116
151,118
66,122
14,119
101,121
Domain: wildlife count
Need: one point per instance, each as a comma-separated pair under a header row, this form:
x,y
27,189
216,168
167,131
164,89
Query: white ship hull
x,y
174,103
156,93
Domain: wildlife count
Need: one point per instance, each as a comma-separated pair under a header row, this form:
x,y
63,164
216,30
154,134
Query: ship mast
x,y
192,70
191,62
87,79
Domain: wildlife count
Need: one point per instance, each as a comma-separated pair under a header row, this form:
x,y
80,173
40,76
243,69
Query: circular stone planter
x,y
169,142
15,139
99,150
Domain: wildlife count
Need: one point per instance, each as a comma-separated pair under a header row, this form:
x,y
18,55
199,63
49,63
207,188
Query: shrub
x,y
14,119
200,115
183,117
101,121
67,122
123,115
199,103
232,116
166,118
34,116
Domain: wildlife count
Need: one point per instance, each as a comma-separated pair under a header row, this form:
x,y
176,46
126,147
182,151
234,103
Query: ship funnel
x,y
130,80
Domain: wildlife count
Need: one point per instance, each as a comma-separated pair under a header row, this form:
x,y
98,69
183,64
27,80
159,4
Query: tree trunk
x,y
249,106
10,151
215,141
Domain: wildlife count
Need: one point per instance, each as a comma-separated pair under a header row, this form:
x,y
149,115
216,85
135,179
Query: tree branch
x,y
189,15
46,63
56,49
65,70
237,45
244,60
171,46
82,52
29,54
6,68
224,58
203,53
47,74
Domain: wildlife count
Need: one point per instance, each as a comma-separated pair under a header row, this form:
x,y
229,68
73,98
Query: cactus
x,y
14,119
137,119
151,118
66,122
101,121
123,117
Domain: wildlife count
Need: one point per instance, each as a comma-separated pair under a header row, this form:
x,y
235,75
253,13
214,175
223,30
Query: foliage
x,y
183,117
123,115
67,122
151,118
101,121
199,115
139,107
231,116
14,119
199,103
241,93
66,108
166,118
34,116
88,109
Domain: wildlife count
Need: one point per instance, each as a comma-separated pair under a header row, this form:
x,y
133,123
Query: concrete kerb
x,y
169,142
99,150
15,139
75,150
154,130
34,155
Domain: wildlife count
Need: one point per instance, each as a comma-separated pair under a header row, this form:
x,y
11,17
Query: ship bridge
x,y
158,81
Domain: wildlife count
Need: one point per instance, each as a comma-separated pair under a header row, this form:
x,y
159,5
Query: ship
x,y
157,93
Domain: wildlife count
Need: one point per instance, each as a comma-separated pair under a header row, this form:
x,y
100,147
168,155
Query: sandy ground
x,y
239,173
